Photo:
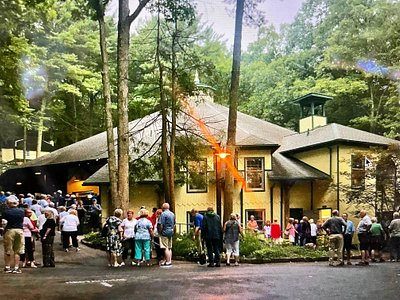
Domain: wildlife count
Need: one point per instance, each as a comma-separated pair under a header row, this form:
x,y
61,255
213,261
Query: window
x,y
197,176
357,172
259,216
254,173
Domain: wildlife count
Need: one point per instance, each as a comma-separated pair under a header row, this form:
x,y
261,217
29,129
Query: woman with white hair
x,y
69,225
114,233
143,235
47,234
376,240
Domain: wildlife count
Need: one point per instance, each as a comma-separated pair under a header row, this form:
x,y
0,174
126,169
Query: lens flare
x,y
213,141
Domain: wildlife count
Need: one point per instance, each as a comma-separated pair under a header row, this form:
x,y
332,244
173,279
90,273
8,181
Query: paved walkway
x,y
85,275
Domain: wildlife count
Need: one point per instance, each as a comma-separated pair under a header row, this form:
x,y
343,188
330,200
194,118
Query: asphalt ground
x,y
85,275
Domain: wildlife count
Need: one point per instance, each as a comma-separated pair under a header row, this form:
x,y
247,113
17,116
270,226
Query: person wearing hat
x,y
14,241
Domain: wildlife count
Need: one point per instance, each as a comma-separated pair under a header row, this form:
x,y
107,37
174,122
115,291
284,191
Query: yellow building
x,y
285,173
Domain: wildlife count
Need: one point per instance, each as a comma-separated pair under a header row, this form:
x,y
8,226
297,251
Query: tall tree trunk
x,y
75,118
164,118
112,159
40,128
233,103
123,130
173,117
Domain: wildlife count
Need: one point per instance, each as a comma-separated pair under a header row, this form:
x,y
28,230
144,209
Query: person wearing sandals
x,y
364,237
232,229
143,235
113,238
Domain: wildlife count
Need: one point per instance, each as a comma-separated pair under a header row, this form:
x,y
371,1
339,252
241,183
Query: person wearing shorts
x,y
363,237
14,241
232,229
166,229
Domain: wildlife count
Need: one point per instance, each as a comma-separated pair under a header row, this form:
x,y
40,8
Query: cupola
x,y
312,111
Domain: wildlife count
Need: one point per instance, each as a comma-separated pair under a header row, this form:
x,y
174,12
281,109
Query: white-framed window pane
x,y
254,172
197,176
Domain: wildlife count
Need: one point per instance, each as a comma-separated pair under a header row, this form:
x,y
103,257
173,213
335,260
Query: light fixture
x,y
76,180
223,154
19,183
38,173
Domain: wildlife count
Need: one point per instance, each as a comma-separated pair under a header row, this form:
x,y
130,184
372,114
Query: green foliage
x,y
184,246
285,251
95,239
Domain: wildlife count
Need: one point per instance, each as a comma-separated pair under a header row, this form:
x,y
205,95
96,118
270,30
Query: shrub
x,y
184,246
250,243
95,239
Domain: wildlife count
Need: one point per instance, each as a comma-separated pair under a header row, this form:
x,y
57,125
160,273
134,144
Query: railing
x,y
183,227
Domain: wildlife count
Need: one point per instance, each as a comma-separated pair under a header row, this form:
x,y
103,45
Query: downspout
x,y
282,203
337,178
271,199
241,205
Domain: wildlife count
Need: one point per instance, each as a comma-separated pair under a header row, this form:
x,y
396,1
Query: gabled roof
x,y
145,133
331,133
287,168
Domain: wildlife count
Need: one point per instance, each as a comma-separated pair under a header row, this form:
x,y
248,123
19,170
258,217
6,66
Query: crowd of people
x,y
136,235
27,219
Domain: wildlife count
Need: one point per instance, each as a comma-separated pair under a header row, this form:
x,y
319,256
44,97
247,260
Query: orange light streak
x,y
213,141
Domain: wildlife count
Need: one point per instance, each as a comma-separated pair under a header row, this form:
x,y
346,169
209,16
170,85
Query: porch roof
x,y
287,168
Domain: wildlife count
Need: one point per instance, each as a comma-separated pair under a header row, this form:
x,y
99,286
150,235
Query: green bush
x,y
184,246
95,239
288,252
250,243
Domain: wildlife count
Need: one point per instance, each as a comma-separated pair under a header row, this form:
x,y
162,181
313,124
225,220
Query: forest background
x,y
50,67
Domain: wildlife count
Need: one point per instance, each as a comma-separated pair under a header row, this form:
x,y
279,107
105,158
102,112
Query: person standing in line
x,y
394,229
69,226
113,236
128,240
297,227
47,235
335,226
377,240
313,232
276,232
291,231
28,228
197,223
305,231
14,241
363,237
156,239
348,238
267,230
166,230
81,210
95,213
211,232
232,230
143,235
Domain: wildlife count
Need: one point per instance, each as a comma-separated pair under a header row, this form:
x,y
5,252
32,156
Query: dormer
x,y
312,111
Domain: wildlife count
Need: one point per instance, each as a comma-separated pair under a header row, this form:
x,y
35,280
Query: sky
x,y
216,14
